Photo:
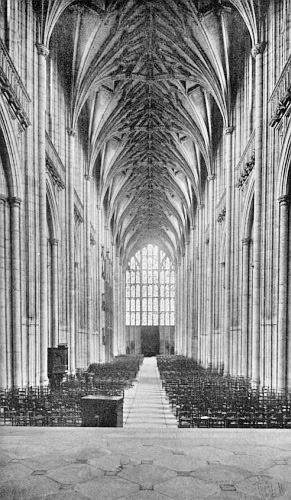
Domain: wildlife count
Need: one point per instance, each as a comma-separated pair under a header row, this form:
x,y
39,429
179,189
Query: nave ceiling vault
x,y
155,80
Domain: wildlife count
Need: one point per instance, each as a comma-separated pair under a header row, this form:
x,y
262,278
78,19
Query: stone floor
x,y
148,459
146,403
152,464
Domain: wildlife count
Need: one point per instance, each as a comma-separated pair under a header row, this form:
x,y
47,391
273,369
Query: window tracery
x,y
150,289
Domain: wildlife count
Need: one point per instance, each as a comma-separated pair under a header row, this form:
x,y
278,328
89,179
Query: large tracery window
x,y
150,289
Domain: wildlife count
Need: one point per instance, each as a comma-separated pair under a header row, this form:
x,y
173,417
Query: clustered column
x,y
42,56
228,246
200,281
185,298
115,325
55,292
283,291
243,369
190,304
210,274
257,52
178,310
3,349
88,273
71,256
16,297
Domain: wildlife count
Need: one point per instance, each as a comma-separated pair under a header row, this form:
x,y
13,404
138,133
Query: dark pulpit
x,y
102,411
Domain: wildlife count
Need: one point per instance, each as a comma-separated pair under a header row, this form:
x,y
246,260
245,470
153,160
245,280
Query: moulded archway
x,y
13,370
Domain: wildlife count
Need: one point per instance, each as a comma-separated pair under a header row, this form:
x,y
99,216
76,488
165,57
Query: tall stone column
x,y
200,283
98,281
190,314
243,368
283,292
115,323
71,251
257,52
185,301
123,305
43,321
3,345
80,350
228,247
222,318
55,292
195,295
119,321
16,292
210,273
88,273
178,311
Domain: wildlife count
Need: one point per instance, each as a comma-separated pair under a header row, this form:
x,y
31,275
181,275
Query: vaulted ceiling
x,y
155,80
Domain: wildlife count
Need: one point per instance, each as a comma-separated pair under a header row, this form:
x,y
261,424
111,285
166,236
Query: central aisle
x,y
146,404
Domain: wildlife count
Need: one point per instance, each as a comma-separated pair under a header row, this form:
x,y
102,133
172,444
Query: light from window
x,y
150,289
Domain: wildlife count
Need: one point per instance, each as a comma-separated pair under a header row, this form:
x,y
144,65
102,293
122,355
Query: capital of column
x,y
71,131
42,50
228,130
259,48
14,201
211,177
284,200
222,264
246,241
54,241
3,198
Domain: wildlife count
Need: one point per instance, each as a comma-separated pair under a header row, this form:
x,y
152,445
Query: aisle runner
x,y
146,404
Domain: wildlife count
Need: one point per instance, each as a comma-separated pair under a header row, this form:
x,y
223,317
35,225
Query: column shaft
x,y
179,293
283,292
258,53
190,314
228,248
243,369
3,319
115,329
16,293
88,274
210,273
42,55
71,252
55,293
200,286
185,301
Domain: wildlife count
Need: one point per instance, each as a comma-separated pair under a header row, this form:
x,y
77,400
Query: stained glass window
x,y
150,288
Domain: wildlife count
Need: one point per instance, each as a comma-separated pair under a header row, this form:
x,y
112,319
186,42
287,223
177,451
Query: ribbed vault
x,y
151,77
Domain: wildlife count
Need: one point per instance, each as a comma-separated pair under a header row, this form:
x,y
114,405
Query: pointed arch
x,y
10,154
283,180
246,222
52,211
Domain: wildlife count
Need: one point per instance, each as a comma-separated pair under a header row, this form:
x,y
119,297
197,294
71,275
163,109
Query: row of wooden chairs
x,y
60,406
203,398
